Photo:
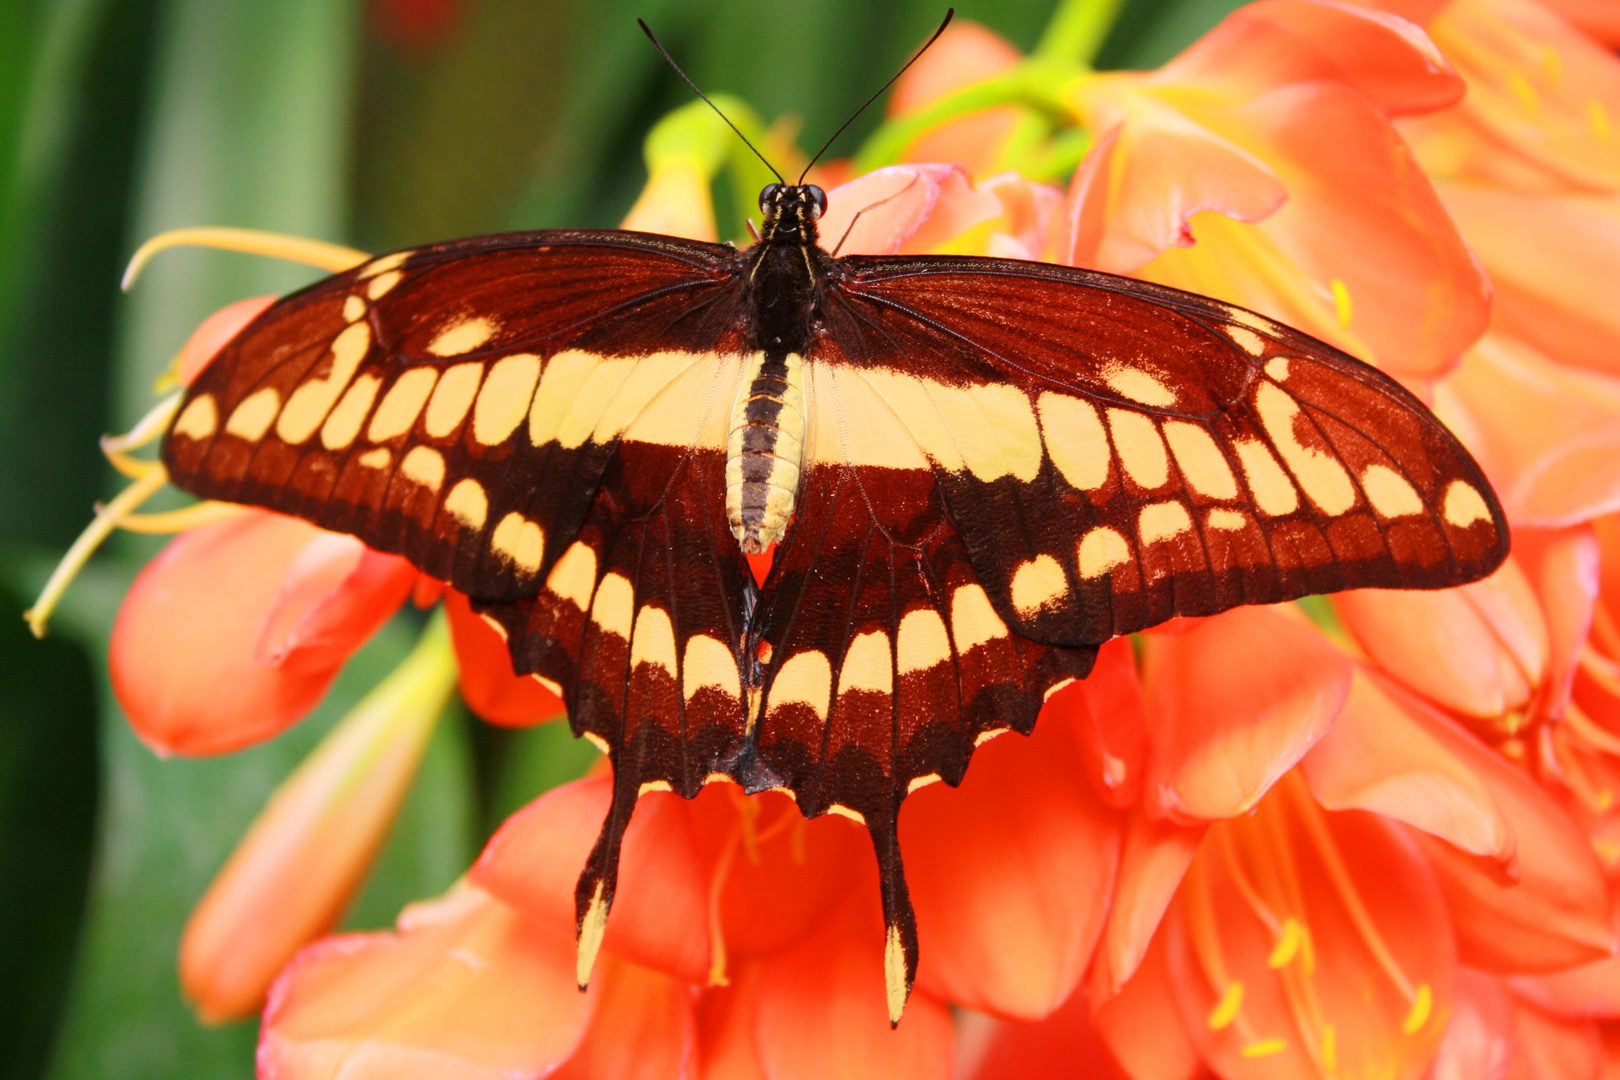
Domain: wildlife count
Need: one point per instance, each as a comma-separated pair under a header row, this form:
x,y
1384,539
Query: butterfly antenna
x,y
950,13
659,45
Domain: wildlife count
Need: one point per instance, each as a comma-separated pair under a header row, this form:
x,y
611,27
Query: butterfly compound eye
x,y
767,196
818,200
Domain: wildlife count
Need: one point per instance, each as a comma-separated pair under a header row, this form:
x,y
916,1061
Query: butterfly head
x,y
791,212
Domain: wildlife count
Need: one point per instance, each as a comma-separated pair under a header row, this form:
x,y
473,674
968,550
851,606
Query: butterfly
x,y
971,472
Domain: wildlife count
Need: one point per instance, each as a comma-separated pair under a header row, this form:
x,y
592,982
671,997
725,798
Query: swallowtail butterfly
x,y
972,472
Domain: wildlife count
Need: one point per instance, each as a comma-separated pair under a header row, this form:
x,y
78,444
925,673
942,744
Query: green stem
x,y
1077,30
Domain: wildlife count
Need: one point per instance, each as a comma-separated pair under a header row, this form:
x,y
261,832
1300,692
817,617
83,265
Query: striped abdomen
x,y
765,450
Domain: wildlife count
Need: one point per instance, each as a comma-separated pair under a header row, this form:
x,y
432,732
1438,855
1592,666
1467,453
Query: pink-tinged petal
x,y
1550,1048
1547,435
1276,43
821,1012
904,208
190,660
1135,191
1480,1038
1233,705
1370,947
659,916
309,850
1032,213
215,333
1567,569
488,683
966,53
1551,256
1544,91
1480,649
466,988
1154,860
1141,1027
1010,875
1550,909
1064,1044
1589,990
644,1027
1378,758
1107,717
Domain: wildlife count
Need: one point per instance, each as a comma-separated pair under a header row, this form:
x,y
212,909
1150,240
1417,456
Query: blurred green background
x,y
380,125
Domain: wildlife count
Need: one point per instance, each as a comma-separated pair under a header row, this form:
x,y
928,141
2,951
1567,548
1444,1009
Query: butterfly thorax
x,y
766,433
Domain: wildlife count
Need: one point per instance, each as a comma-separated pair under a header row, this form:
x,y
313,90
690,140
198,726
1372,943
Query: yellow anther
x,y
1422,1006
1524,92
1552,66
1287,946
1598,117
1341,302
333,258
1264,1048
1330,1049
1226,1011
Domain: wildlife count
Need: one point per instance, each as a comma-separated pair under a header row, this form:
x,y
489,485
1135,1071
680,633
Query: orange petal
x,y
1587,990
1140,1025
1548,436
904,208
294,873
1155,857
1480,649
1480,1037
215,333
659,916
966,53
1275,43
1554,911
488,684
727,1020
821,1012
227,637
1598,18
1551,1048
1064,1044
1010,876
644,1028
466,987
1108,719
1567,570
1233,705
1369,956
1377,757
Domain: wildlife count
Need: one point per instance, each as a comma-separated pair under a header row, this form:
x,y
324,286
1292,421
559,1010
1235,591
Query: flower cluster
x,y
1375,837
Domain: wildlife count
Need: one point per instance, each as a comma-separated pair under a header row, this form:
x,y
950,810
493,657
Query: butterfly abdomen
x,y
765,449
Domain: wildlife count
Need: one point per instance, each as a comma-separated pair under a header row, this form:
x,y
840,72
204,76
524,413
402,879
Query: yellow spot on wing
x,y
1318,471
591,929
1100,551
1037,583
342,427
1163,521
375,459
1223,520
844,811
386,263
613,608
974,621
504,400
922,641
353,307
806,678
574,577
922,781
1389,492
468,503
199,419
252,418
1141,451
425,466
462,337
1200,460
402,404
1139,386
1272,490
867,665
708,663
1075,440
308,405
1247,340
654,785
382,283
1464,505
1277,368
520,541
985,736
654,639
451,399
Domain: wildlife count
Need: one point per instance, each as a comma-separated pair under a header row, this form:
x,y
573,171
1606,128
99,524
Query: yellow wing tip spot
x,y
463,336
380,285
843,811
1061,684
1163,521
253,417
1277,369
591,929
1464,505
353,307
985,736
1227,1009
1139,386
1422,1007
385,264
467,503
597,741
918,782
520,542
200,418
1390,493
894,975
654,785
1263,1048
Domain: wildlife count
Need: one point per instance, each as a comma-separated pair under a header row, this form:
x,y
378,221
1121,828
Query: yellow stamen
x,y
106,520
1598,117
1524,92
1552,66
1264,1048
333,258
132,467
147,429
1341,302
1226,1010
187,517
1287,946
1330,1049
717,884
1588,732
1422,1006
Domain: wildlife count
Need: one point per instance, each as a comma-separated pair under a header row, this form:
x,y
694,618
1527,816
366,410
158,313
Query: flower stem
x,y
1077,30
